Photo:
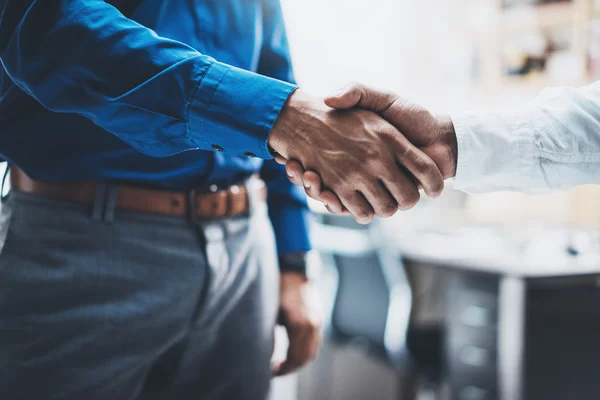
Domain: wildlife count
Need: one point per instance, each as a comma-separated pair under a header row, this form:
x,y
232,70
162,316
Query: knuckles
x,y
425,164
370,155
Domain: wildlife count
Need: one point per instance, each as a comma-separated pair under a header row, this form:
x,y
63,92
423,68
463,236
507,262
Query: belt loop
x,y
111,203
254,200
99,202
3,197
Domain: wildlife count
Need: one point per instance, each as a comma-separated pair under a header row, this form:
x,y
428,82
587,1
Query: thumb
x,y
347,97
361,96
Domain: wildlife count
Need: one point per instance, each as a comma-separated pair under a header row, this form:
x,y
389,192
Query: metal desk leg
x,y
511,326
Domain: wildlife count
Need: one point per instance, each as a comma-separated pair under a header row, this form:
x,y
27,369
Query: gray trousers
x,y
137,307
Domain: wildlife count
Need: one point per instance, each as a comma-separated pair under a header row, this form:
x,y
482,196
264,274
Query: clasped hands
x,y
364,151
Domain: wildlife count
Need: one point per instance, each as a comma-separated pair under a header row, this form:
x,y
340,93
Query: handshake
x,y
364,151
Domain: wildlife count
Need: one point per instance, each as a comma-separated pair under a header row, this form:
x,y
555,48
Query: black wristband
x,y
293,262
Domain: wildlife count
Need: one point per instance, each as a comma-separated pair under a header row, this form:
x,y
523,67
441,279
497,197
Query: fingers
x,y
280,160
359,95
294,171
333,203
358,206
383,198
413,120
375,199
304,345
423,168
313,186
300,315
347,97
403,188
383,203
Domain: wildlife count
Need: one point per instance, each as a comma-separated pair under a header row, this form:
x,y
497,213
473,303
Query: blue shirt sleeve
x,y
158,95
287,203
287,209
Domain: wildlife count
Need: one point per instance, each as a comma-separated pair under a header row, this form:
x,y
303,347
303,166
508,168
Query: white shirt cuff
x,y
495,150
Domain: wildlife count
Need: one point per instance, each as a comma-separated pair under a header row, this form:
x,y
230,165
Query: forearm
x,y
550,143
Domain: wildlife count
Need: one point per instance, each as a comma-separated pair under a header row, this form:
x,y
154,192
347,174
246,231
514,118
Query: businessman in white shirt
x,y
551,143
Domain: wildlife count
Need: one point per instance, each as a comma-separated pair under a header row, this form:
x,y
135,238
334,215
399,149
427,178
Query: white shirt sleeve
x,y
551,143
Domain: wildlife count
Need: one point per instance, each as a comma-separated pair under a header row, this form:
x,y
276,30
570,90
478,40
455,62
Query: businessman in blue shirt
x,y
139,256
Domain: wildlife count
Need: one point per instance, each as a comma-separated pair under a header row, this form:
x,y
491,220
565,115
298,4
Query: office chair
x,y
372,304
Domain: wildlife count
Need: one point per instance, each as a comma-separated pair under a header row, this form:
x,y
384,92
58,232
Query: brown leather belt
x,y
229,202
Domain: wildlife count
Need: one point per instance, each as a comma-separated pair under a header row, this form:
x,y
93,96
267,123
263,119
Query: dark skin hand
x,y
367,162
433,135
300,314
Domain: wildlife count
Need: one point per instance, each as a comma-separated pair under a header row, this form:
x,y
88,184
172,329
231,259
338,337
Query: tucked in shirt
x,y
176,94
550,143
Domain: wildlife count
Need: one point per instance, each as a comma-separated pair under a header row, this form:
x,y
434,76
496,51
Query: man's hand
x,y
299,313
371,166
435,136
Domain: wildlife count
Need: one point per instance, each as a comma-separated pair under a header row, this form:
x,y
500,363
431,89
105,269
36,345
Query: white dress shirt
x,y
550,143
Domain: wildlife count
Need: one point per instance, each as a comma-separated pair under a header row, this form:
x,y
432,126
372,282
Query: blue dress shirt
x,y
176,94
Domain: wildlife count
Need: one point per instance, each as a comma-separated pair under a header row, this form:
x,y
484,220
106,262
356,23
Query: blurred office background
x,y
464,297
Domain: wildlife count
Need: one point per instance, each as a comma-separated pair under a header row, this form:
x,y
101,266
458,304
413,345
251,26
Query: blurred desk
x,y
521,318
485,250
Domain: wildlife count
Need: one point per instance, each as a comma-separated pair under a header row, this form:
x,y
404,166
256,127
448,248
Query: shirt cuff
x,y
291,230
495,150
234,110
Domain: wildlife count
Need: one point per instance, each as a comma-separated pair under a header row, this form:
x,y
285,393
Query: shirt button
x,y
217,147
249,155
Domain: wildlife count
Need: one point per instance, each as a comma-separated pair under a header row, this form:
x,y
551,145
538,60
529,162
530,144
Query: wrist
x,y
287,132
450,145
293,278
279,139
291,294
